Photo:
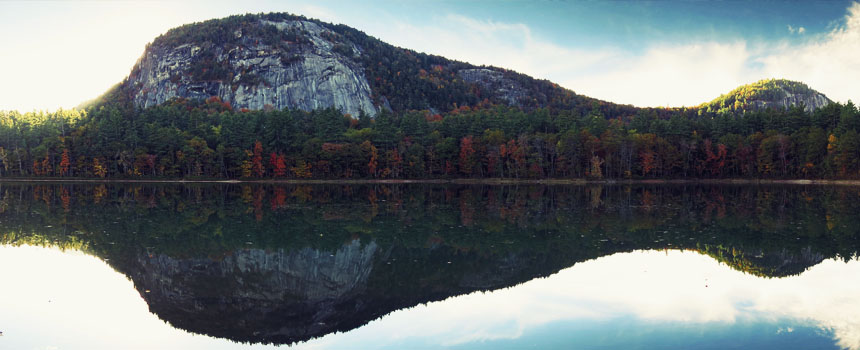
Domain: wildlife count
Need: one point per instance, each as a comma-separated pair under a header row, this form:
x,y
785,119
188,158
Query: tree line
x,y
209,139
752,228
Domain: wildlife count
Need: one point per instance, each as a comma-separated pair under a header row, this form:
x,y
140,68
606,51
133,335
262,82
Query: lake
x,y
428,266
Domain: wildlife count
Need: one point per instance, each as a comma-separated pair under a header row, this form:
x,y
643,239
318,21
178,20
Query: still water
x,y
428,266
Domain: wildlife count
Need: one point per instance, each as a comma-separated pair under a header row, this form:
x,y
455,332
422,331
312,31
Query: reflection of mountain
x,y
258,296
254,264
283,297
767,264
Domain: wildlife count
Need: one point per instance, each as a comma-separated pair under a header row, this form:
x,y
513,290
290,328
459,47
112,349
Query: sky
x,y
58,54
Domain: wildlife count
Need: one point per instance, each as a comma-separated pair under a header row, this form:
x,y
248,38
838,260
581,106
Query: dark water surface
x,y
429,266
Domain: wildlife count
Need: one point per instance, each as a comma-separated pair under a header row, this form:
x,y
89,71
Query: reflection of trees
x,y
741,217
429,241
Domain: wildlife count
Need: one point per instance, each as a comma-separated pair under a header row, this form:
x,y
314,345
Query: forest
x,y
209,139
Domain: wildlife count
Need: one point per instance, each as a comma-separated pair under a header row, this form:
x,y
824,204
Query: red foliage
x,y
433,117
64,163
272,158
715,161
280,166
648,161
257,160
279,200
467,155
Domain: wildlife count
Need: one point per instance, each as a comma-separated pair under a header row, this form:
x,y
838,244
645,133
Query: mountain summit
x,y
768,93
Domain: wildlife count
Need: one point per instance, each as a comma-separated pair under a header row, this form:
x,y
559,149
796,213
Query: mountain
x,y
285,61
768,93
282,61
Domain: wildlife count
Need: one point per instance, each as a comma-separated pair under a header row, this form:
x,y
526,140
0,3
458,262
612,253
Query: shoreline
x,y
493,181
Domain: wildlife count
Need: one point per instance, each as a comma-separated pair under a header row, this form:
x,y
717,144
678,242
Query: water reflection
x,y
285,264
52,299
663,300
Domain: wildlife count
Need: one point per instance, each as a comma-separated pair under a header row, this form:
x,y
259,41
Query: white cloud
x,y
829,63
506,45
670,75
798,30
664,74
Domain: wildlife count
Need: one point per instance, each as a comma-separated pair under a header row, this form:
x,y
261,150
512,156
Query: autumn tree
x,y
467,155
65,163
257,160
374,158
280,166
302,170
99,168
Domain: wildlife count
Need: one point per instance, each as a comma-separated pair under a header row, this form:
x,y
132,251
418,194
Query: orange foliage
x,y
257,160
64,163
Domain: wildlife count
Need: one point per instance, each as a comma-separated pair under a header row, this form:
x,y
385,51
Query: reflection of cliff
x,y
216,261
255,295
780,263
252,295
281,297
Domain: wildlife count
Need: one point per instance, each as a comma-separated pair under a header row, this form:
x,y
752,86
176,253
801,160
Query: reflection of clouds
x,y
92,306
654,286
827,293
51,299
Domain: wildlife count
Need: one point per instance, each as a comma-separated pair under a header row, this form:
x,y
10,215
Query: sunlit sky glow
x,y
61,53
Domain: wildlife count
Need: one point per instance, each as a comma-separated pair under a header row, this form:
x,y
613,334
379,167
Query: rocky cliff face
x,y
281,61
768,93
255,73
788,97
495,84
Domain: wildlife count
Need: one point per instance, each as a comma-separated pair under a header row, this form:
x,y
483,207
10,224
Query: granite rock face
x,y
305,75
764,94
496,84
810,101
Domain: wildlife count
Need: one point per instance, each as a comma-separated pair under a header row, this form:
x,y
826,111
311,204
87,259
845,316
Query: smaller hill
x,y
768,93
